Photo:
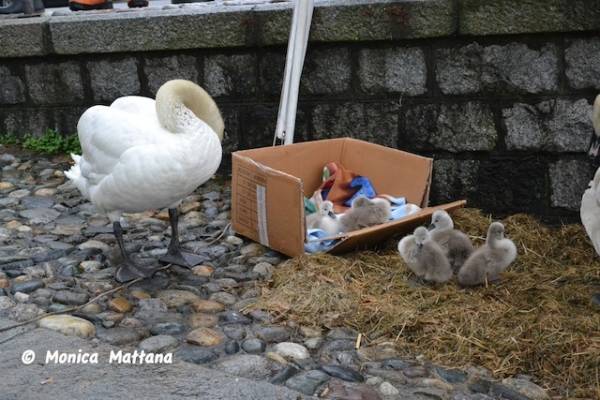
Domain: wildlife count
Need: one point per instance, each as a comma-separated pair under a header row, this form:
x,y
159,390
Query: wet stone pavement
x,y
56,252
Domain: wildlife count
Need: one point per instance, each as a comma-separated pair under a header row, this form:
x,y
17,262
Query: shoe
x,y
56,3
137,3
83,5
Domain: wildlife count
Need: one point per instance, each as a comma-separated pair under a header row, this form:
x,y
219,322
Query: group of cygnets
x,y
363,213
435,255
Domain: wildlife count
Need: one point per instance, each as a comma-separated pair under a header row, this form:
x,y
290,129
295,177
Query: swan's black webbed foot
x,y
175,255
181,258
127,270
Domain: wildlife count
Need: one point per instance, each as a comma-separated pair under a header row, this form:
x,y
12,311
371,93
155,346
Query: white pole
x,y
297,43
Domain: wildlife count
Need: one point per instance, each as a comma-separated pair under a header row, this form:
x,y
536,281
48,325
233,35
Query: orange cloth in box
x,y
338,184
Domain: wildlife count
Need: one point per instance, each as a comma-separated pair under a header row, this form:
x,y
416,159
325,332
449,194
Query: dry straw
x,y
539,320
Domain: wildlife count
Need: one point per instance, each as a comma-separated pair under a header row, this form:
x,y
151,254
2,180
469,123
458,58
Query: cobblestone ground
x,y
56,252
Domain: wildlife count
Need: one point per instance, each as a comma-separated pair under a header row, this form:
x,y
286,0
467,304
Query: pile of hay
x,y
539,320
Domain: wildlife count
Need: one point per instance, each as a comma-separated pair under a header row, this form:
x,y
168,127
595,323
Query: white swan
x,y
590,211
141,154
590,202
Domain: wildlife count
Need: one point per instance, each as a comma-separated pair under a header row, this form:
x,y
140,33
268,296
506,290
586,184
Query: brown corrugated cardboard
x,y
269,185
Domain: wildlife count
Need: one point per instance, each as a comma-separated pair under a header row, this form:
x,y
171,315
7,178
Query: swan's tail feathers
x,y
74,174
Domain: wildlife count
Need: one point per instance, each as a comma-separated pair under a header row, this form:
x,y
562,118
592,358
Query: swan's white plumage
x,y
131,163
590,202
136,105
590,211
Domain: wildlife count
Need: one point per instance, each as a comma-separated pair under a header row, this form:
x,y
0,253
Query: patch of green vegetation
x,y
51,142
9,139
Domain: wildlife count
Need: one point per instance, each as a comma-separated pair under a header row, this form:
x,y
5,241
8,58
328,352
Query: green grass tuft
x,y
9,139
51,142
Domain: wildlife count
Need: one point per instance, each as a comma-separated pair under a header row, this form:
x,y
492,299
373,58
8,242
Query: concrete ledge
x,y
195,26
485,17
363,20
23,37
207,25
148,30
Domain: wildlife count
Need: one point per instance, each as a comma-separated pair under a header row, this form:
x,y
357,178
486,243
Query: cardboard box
x,y
269,185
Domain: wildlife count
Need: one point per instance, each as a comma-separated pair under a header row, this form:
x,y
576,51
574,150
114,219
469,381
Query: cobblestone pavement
x,y
56,252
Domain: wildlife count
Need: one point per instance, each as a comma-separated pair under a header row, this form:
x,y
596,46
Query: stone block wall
x,y
499,93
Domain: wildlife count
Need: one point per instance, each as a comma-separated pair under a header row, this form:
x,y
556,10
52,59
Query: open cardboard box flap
x,y
269,185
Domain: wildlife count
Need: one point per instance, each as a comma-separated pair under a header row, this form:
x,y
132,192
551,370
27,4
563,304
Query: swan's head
x,y
495,231
596,115
421,234
194,98
594,150
441,220
594,185
326,209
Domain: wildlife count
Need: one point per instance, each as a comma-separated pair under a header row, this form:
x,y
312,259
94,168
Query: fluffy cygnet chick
x,y
425,257
324,219
408,249
488,261
457,245
364,213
